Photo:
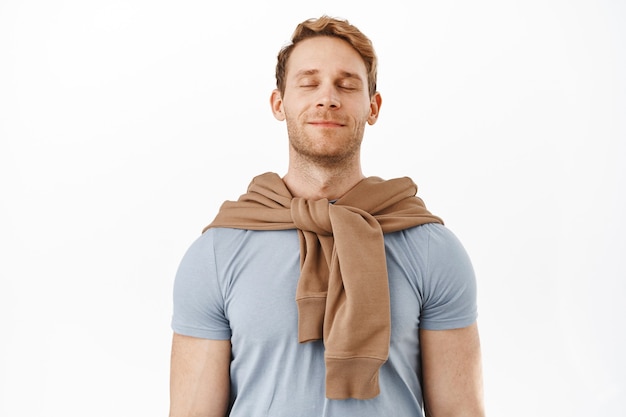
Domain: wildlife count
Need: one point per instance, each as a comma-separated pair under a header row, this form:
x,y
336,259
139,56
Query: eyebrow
x,y
303,73
309,72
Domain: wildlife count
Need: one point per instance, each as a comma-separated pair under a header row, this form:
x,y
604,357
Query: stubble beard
x,y
304,146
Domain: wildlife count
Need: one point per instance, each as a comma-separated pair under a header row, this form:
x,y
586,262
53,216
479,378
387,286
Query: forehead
x,y
325,54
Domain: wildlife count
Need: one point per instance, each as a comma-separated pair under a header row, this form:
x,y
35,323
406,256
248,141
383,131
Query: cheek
x,y
292,110
365,113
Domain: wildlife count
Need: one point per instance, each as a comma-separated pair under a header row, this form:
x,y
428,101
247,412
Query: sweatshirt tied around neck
x,y
343,289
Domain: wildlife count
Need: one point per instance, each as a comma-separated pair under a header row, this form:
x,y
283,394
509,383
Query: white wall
x,y
124,125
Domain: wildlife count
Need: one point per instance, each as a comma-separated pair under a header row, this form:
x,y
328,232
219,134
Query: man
x,y
325,293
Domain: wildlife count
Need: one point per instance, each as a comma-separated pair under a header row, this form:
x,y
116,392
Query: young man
x,y
326,293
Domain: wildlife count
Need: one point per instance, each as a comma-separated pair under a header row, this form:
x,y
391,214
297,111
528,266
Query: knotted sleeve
x,y
316,250
357,324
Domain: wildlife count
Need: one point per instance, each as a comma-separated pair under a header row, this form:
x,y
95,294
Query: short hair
x,y
328,26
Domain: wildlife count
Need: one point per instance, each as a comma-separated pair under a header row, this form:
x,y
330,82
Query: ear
x,y
276,101
375,104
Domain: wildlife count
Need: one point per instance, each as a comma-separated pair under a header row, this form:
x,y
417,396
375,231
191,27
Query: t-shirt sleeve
x,y
198,308
449,285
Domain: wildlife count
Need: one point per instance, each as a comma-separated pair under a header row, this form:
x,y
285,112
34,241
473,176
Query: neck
x,y
315,182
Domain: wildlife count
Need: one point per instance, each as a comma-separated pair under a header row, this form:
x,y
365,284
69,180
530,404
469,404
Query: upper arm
x,y
452,372
199,377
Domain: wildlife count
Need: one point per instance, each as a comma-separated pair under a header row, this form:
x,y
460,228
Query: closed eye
x,y
308,82
349,87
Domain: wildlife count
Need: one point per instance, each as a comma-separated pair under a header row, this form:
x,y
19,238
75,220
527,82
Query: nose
x,y
328,98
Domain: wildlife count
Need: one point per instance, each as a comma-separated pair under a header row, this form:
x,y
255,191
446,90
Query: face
x,y
326,102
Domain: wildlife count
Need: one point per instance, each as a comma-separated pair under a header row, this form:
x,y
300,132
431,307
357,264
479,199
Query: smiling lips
x,y
326,123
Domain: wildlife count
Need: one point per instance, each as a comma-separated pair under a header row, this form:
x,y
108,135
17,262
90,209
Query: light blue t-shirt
x,y
241,285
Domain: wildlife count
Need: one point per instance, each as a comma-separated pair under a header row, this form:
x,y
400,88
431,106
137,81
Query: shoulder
x,y
223,239
435,233
431,238
430,252
437,246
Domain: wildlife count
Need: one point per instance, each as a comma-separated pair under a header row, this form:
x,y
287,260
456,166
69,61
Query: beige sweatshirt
x,y
343,289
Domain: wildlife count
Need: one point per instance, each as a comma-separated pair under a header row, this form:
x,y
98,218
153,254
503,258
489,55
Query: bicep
x,y
452,372
199,377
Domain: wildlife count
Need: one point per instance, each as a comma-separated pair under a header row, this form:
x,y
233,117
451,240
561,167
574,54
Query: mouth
x,y
326,123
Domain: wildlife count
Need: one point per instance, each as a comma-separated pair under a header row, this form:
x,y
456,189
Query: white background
x,y
125,123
